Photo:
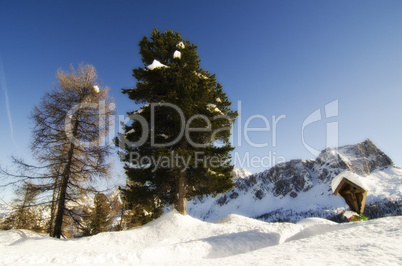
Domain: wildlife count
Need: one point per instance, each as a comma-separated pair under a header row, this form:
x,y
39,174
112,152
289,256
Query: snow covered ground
x,y
174,239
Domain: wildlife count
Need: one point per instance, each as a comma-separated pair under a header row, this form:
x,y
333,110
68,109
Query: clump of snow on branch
x,y
164,136
180,45
218,100
96,88
213,108
213,173
177,54
200,75
130,131
142,109
156,64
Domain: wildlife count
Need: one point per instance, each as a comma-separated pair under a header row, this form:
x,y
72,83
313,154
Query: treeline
x,y
87,216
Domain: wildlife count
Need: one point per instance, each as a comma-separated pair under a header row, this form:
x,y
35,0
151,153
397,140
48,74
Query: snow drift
x,y
183,240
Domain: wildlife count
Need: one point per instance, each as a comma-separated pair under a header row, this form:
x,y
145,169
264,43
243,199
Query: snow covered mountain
x,y
302,188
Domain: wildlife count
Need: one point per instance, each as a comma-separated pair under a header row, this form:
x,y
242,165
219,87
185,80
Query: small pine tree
x,y
100,217
26,214
185,123
28,193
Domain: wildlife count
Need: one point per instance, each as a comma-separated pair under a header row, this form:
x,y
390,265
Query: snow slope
x,y
234,240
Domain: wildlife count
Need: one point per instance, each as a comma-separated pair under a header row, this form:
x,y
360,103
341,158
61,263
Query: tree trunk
x,y
181,200
53,207
64,182
63,191
181,184
61,204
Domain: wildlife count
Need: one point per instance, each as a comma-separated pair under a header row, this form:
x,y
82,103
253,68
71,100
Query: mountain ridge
x,y
302,186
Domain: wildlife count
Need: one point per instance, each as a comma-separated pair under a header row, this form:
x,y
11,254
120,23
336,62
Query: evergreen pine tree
x,y
185,123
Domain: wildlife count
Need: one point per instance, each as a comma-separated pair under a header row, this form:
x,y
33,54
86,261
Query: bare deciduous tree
x,y
69,134
69,140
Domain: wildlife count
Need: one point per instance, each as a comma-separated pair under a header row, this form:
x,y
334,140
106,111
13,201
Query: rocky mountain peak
x,y
299,175
361,158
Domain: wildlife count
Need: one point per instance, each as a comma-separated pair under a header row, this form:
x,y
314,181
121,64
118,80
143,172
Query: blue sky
x,y
278,58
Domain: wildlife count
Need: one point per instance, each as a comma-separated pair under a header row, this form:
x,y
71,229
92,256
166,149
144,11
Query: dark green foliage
x,y
177,94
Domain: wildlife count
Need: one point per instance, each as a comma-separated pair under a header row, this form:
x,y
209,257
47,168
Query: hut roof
x,y
343,178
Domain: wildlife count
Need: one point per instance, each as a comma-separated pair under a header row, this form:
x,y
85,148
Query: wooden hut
x,y
352,189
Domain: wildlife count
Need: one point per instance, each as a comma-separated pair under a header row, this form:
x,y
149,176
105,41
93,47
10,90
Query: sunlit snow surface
x,y
174,239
